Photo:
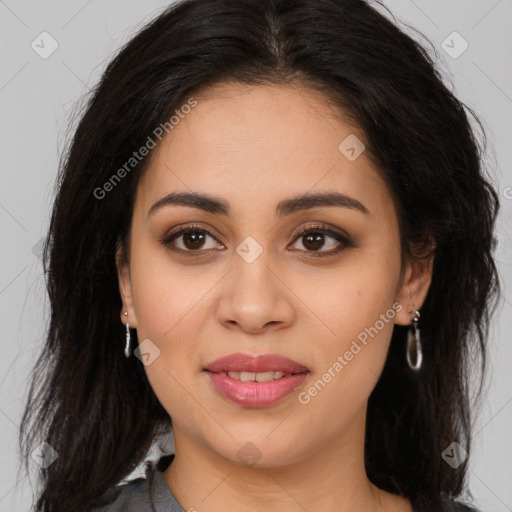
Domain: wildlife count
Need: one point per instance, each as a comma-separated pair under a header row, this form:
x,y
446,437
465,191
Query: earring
x,y
413,351
127,345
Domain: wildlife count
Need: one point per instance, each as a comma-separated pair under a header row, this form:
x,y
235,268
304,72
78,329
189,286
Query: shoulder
x,y
452,505
455,506
149,494
132,496
448,505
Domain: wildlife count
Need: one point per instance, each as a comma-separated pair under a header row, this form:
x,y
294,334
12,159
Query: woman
x,y
272,234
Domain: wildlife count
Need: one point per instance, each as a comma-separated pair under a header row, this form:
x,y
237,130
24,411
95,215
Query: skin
x,y
255,146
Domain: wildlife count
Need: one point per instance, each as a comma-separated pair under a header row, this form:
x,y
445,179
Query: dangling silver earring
x,y
413,351
127,345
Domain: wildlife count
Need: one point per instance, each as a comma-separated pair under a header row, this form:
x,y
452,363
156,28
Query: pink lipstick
x,y
256,381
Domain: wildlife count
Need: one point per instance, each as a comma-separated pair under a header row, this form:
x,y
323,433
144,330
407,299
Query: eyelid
x,y
182,229
341,237
319,227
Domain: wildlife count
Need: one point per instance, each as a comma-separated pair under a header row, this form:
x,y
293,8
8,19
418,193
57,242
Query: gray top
x,y
149,494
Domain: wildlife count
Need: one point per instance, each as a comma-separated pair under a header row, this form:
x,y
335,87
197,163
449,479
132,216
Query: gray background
x,y
37,97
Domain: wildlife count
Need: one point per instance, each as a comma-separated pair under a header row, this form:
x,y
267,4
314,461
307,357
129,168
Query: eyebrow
x,y
219,206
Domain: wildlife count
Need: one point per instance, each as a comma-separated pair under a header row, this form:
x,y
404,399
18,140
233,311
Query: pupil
x,y
196,240
315,238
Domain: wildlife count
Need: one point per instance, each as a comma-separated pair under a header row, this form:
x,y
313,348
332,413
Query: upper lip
x,y
261,363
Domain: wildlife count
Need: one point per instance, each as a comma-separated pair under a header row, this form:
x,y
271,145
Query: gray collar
x,y
162,499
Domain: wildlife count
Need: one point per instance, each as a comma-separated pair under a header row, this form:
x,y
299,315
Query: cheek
x,y
168,305
165,293
357,321
351,298
349,370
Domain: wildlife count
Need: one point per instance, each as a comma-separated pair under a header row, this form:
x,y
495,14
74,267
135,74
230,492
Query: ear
x,y
414,289
125,288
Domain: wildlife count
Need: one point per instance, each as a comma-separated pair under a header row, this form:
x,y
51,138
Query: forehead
x,y
259,144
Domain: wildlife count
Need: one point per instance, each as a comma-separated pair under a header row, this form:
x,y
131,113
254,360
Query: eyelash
x,y
193,228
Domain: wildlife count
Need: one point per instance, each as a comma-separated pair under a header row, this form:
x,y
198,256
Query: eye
x,y
193,240
313,238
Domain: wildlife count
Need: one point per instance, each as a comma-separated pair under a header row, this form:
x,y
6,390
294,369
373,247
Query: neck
x,y
330,477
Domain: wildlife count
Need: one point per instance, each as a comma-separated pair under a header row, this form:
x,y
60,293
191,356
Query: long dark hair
x,y
96,409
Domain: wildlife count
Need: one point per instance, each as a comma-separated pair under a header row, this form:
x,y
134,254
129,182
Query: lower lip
x,y
256,394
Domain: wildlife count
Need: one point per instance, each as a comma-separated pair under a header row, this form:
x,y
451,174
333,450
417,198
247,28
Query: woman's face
x,y
244,281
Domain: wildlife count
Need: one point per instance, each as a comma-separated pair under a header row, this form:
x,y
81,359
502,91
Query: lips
x,y
255,364
276,377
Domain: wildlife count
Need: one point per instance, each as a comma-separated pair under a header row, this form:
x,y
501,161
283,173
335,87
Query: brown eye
x,y
188,241
313,241
193,240
316,238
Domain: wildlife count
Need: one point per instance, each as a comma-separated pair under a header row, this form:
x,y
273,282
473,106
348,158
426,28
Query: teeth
x,y
255,376
264,376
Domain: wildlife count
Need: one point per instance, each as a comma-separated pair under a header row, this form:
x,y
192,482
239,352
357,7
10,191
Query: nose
x,y
255,298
